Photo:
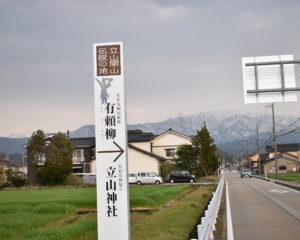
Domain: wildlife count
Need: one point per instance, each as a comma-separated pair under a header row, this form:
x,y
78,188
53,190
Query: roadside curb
x,y
279,183
261,178
288,185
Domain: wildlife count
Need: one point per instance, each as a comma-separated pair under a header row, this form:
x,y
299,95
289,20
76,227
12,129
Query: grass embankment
x,y
52,213
286,177
154,196
174,222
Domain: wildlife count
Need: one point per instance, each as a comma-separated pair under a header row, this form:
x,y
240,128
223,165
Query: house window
x,y
170,152
41,158
282,168
78,156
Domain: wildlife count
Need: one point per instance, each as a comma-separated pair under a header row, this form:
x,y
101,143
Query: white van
x,y
148,178
132,177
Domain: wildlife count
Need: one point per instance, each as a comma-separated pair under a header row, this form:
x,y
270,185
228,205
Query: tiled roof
x,y
291,147
175,132
83,142
133,136
139,136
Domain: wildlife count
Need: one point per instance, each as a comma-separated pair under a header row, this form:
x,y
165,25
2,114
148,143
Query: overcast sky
x,y
180,56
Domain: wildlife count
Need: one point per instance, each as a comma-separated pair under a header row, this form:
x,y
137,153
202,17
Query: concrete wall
x,y
93,166
138,162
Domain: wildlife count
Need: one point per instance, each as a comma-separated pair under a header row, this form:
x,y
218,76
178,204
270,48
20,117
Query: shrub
x,y
6,185
73,180
165,169
18,181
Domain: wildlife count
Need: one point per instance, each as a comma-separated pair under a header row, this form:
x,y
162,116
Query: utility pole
x,y
180,122
247,152
274,141
257,146
282,66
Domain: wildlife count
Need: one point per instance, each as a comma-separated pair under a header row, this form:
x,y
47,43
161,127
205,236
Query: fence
x,y
207,226
87,178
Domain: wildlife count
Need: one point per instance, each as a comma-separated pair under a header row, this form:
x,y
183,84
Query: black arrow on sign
x,y
120,150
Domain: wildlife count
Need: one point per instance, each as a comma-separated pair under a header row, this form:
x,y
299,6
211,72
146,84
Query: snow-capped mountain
x,y
229,129
223,126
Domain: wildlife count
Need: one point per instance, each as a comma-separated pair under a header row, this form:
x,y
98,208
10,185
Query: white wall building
x,y
146,152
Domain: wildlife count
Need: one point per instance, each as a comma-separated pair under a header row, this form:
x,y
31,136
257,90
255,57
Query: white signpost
x,y
111,142
269,79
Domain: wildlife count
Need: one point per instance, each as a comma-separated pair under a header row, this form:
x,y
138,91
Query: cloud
x,y
257,21
180,56
170,13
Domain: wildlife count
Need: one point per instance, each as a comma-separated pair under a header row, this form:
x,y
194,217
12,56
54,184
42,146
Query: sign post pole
x,y
111,142
270,79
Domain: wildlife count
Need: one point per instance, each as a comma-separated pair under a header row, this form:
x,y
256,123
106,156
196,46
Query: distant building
x,y
254,159
84,156
146,152
288,158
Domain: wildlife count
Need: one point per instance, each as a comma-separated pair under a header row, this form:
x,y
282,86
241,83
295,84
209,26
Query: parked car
x,y
246,173
181,176
132,177
148,178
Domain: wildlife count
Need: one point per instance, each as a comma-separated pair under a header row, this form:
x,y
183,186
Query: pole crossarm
x,y
274,90
272,63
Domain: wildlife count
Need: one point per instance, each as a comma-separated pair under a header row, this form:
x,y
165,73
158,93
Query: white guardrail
x,y
207,226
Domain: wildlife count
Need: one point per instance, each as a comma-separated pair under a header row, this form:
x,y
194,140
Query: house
x,y
140,156
286,162
84,157
288,158
254,159
140,160
166,144
147,152
291,148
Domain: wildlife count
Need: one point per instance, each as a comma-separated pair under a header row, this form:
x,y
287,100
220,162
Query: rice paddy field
x,y
53,214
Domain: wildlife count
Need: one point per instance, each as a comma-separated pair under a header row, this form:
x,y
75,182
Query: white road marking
x,y
279,191
289,189
229,219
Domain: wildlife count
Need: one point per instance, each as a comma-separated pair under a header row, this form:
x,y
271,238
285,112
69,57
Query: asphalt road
x,y
263,210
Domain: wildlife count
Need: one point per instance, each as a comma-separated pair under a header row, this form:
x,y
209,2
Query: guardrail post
x,y
200,229
208,222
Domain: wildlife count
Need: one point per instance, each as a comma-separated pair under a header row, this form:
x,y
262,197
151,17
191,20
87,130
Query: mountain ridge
x,y
229,129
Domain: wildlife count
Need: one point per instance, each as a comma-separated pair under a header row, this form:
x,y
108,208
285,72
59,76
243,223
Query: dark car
x,y
181,176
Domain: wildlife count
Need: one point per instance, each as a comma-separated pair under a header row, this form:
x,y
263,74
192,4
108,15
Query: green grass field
x,y
52,214
152,196
46,214
286,177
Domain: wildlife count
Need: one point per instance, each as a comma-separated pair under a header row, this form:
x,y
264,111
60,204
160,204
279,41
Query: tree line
x,y
49,162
